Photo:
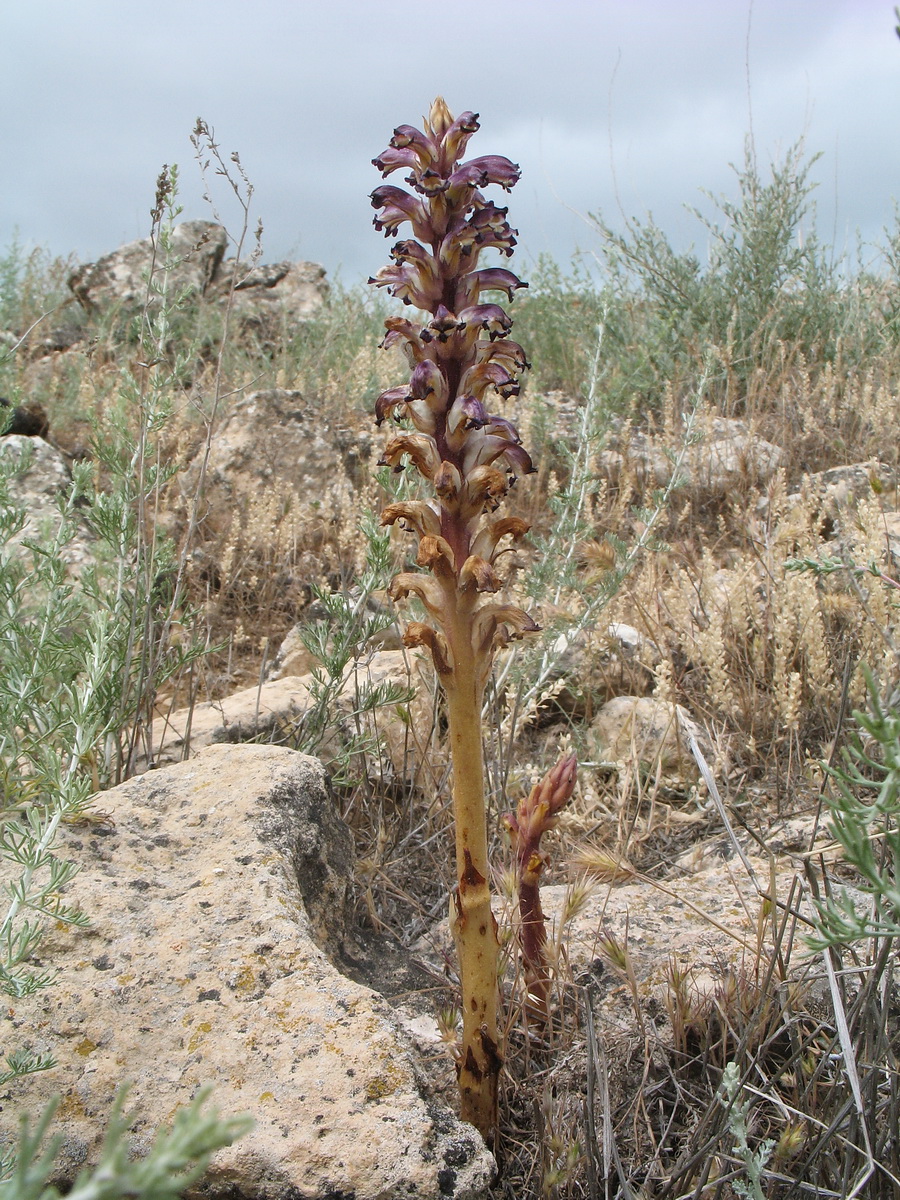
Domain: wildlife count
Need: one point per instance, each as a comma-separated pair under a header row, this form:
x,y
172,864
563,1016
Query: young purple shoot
x,y
535,815
458,354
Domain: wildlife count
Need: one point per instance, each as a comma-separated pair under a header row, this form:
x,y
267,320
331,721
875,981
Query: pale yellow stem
x,y
474,927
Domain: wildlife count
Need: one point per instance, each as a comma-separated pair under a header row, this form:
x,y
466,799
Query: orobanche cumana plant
x,y
470,458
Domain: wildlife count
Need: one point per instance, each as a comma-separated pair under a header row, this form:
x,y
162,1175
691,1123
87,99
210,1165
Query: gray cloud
x,y
620,105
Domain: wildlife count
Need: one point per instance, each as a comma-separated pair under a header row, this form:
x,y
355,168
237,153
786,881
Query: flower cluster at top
x,y
458,356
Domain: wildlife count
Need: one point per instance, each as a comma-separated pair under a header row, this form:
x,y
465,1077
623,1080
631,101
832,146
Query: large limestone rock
x,y
835,495
274,297
704,919
212,887
276,437
40,473
244,716
270,298
843,487
292,656
892,531
727,456
589,667
278,447
119,280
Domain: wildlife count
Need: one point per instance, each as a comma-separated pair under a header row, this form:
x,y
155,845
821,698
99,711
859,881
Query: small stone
x,y
651,734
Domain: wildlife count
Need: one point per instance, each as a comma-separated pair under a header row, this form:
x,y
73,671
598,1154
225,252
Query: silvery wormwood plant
x,y
82,654
470,458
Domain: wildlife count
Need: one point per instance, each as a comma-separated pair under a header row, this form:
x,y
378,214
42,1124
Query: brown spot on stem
x,y
491,1053
472,1067
470,876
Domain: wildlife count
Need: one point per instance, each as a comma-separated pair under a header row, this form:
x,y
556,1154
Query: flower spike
x,y
459,355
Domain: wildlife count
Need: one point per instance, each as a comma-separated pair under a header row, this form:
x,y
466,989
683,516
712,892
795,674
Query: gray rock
x,y
892,530
241,717
292,656
594,665
272,298
279,445
212,889
728,455
704,919
119,280
647,732
60,339
841,488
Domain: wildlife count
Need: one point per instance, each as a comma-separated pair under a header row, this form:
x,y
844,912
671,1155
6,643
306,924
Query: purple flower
x,y
429,383
487,374
405,334
489,317
468,413
408,135
392,158
389,400
399,206
479,172
460,352
493,279
457,136
407,282
442,326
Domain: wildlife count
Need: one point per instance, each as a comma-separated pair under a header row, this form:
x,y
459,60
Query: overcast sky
x,y
621,106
